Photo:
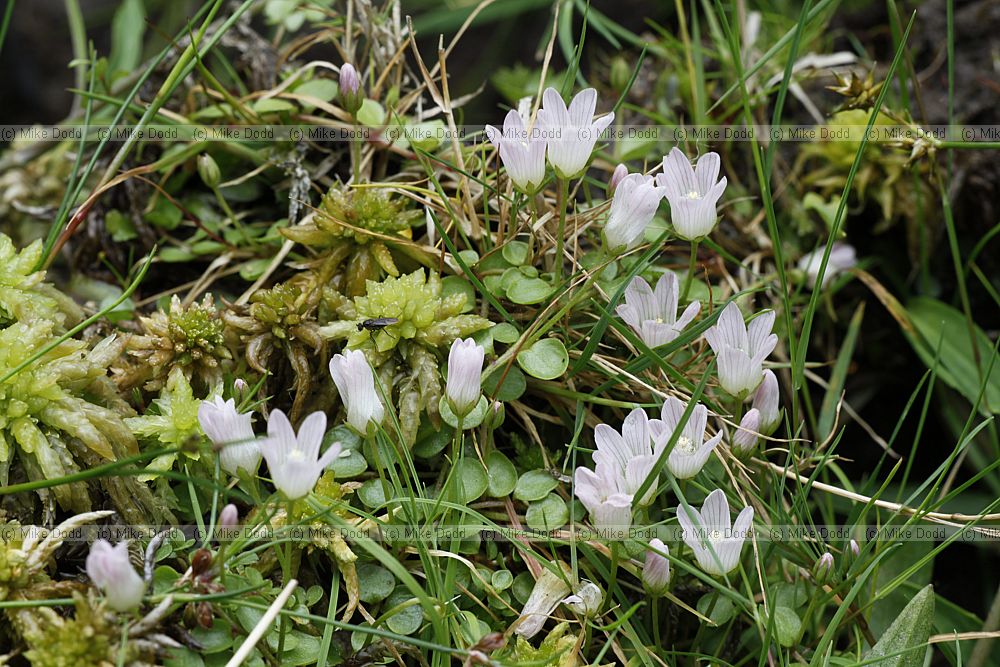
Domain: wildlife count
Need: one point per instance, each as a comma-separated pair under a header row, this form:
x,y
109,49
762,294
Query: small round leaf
x,y
547,359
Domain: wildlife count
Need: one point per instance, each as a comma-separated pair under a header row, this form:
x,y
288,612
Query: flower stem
x,y
691,267
355,156
561,236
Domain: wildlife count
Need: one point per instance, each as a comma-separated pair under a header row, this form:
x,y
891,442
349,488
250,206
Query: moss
x,y
190,338
281,319
173,423
44,406
356,226
24,296
426,324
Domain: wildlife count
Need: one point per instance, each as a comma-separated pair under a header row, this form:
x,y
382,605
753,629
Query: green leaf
x,y
716,607
376,582
406,620
516,252
547,514
431,441
214,639
904,643
505,333
527,291
371,114
127,30
322,89
501,475
935,321
472,480
272,105
164,214
546,360
511,389
534,485
787,626
375,492
502,580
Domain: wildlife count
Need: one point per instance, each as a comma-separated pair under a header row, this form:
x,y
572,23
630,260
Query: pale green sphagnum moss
x,y
174,422
43,410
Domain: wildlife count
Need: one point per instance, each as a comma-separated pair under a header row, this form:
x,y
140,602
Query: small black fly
x,y
377,324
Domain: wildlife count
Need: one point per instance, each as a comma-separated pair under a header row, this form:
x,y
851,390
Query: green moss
x,y
172,423
24,296
356,226
191,338
426,324
44,412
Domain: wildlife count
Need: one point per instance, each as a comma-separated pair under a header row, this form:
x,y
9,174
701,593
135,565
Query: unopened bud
x,y
745,438
351,96
240,388
620,74
620,172
209,171
228,516
495,415
823,568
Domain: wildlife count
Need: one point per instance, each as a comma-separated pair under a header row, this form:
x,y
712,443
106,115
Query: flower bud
x,y
241,387
768,401
110,570
351,97
209,171
745,439
495,415
656,569
823,568
620,172
465,371
228,516
620,74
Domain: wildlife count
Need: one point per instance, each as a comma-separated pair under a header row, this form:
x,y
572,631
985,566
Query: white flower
x,y
768,402
587,599
111,571
740,350
746,435
656,569
693,193
294,461
231,431
653,314
620,172
571,132
842,258
356,384
691,451
549,590
600,492
465,375
629,455
521,153
716,542
633,206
